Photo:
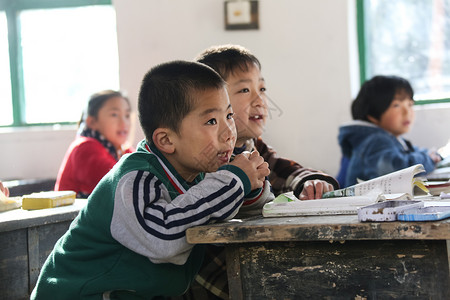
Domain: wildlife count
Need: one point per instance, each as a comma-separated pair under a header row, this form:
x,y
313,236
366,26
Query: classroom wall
x,y
309,58
303,46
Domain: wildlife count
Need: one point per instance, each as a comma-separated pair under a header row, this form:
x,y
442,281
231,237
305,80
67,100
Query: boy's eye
x,y
212,122
246,90
230,116
263,89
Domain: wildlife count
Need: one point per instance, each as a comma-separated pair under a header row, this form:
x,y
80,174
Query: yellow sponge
x,y
48,199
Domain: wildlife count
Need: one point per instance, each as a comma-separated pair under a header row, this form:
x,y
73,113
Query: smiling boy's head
x,y
245,85
185,113
227,59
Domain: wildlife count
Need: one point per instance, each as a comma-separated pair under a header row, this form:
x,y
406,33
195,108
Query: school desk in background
x,y
28,236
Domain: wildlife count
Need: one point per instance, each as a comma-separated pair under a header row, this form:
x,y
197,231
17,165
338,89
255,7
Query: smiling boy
x,y
247,91
129,241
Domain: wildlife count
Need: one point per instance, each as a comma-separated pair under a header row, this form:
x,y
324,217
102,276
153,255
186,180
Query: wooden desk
x,y
26,239
332,257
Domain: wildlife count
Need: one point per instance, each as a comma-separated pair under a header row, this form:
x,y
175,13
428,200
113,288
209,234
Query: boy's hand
x,y
254,166
313,189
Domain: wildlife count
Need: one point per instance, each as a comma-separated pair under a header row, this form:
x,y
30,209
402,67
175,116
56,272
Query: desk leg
x,y
33,257
448,254
234,272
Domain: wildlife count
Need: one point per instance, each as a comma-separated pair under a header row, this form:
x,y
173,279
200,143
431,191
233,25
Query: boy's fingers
x,y
320,187
260,183
246,154
255,155
328,187
314,189
307,192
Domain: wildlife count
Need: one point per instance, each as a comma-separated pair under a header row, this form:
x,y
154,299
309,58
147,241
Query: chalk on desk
x,y
48,199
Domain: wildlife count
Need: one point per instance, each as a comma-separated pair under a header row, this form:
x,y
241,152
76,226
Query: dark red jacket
x,y
85,163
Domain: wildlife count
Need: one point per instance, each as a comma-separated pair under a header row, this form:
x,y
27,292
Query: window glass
x,y
408,38
68,54
6,115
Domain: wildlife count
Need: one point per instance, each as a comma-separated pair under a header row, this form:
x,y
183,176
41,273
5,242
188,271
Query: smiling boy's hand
x,y
314,189
254,166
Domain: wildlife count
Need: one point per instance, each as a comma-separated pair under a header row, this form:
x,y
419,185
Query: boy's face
x,y
113,121
206,137
399,116
247,92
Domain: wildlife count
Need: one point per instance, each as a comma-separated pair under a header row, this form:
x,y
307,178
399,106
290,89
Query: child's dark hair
x,y
226,59
168,93
96,102
376,95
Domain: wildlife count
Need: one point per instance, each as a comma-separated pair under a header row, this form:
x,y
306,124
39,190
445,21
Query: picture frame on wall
x,y
241,15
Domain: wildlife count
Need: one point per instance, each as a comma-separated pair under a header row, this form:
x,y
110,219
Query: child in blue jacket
x,y
372,145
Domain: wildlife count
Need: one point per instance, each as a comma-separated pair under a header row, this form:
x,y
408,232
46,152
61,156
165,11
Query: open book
x,y
402,181
288,205
398,185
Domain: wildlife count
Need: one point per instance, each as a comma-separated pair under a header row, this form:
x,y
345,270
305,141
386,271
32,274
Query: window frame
x,y
363,50
11,9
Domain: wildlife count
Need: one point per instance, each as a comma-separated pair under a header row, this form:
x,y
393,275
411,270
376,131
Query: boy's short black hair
x,y
225,59
376,95
168,92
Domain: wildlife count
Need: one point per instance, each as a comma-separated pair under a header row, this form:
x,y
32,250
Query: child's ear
x,y
163,141
90,122
373,120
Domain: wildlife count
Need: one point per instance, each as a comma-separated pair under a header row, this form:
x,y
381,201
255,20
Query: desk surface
x,y
19,218
315,228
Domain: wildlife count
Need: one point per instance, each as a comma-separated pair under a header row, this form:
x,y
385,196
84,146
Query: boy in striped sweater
x,y
129,241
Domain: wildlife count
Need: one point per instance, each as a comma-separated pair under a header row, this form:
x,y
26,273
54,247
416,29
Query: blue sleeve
x,y
386,155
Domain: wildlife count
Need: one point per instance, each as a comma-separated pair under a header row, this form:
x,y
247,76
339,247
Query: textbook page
x,y
288,205
402,181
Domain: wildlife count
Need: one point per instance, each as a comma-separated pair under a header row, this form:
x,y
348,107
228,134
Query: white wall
x,y
309,58
303,47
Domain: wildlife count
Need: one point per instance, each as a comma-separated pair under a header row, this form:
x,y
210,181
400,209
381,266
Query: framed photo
x,y
241,15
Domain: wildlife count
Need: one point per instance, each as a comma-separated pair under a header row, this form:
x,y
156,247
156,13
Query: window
x,y
5,86
407,38
58,53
